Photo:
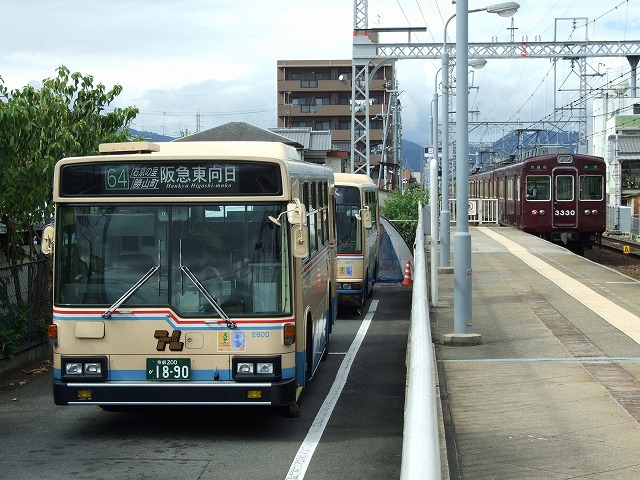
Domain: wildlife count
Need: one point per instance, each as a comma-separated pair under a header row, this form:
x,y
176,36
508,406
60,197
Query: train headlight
x,y
587,212
542,212
534,213
594,212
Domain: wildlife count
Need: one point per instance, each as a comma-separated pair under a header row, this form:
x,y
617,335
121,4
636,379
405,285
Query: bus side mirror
x,y
296,213
365,215
300,244
366,218
48,234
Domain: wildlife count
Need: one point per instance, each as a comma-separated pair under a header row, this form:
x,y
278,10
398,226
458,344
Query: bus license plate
x,y
168,368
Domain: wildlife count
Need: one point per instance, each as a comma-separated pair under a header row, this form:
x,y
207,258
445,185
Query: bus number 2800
x,y
259,334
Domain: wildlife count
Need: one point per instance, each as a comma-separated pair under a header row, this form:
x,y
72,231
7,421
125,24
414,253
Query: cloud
x,y
175,59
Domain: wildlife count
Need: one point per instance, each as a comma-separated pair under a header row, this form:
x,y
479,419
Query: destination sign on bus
x,y
170,178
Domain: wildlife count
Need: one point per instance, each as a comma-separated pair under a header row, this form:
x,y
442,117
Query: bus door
x,y
565,201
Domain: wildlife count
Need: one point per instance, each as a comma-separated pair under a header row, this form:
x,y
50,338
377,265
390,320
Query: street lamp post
x,y
462,237
502,9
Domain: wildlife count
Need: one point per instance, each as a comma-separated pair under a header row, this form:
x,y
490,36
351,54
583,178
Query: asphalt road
x,y
351,423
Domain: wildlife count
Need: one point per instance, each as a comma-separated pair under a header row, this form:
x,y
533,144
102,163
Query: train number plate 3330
x,y
168,368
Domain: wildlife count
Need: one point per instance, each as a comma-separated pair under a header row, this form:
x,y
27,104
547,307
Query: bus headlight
x,y
73,368
244,368
264,368
257,369
79,369
92,368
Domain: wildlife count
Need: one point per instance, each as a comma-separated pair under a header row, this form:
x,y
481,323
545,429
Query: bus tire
x,y
325,354
309,350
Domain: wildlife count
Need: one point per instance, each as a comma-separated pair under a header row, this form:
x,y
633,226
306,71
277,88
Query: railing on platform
x,y
481,210
421,438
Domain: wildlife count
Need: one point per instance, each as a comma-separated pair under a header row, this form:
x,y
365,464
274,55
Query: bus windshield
x,y
236,255
348,227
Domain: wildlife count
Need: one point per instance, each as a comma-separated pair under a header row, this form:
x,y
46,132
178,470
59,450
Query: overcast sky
x,y
177,58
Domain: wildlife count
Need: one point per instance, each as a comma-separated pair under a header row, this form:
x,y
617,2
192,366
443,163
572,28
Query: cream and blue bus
x,y
358,234
190,273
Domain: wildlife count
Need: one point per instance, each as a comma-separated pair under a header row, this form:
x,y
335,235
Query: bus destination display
x,y
203,178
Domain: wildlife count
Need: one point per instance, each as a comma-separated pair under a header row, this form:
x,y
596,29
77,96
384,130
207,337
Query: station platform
x,y
553,389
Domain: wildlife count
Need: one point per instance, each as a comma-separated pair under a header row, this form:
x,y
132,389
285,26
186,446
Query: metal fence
x,y
25,306
481,210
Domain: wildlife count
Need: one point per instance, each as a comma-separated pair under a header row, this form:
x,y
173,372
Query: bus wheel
x,y
293,410
325,354
309,349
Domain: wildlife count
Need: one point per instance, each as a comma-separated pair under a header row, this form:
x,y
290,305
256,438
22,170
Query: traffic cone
x,y
407,282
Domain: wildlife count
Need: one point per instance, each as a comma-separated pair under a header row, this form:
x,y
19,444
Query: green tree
x,y
404,206
65,117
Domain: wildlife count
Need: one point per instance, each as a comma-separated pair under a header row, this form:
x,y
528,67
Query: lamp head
x,y
477,63
506,9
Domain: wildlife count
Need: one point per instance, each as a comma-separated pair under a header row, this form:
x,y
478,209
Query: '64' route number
x,y
564,213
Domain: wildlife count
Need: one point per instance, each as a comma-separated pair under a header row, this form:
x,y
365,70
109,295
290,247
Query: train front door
x,y
565,202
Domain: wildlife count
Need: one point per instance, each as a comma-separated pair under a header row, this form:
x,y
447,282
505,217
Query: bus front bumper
x,y
174,393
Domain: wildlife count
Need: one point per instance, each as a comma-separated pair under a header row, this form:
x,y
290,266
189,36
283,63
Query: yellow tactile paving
x,y
625,321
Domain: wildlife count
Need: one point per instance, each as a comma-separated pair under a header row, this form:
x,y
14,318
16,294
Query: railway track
x,y
611,254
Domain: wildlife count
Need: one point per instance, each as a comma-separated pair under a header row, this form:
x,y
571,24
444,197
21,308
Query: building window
x,y
300,124
323,101
636,108
344,125
296,76
325,125
308,84
323,76
308,109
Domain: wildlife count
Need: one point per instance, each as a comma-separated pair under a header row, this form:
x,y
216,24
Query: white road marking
x,y
615,315
305,452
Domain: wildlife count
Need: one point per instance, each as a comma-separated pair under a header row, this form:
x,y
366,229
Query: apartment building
x,y
316,94
616,137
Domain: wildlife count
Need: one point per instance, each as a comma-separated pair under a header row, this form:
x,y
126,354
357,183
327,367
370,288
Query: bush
x,y
13,328
404,206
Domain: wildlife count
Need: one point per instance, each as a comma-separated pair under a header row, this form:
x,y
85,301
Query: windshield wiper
x,y
230,323
130,292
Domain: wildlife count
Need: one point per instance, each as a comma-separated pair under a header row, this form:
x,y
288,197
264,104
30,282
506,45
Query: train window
x,y
591,187
564,187
538,187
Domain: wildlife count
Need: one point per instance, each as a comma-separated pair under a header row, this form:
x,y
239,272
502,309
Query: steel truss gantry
x,y
365,52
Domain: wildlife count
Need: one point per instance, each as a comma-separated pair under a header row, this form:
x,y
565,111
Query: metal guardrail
x,y
25,306
421,439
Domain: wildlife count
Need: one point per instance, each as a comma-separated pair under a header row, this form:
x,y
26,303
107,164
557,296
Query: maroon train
x,y
559,197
